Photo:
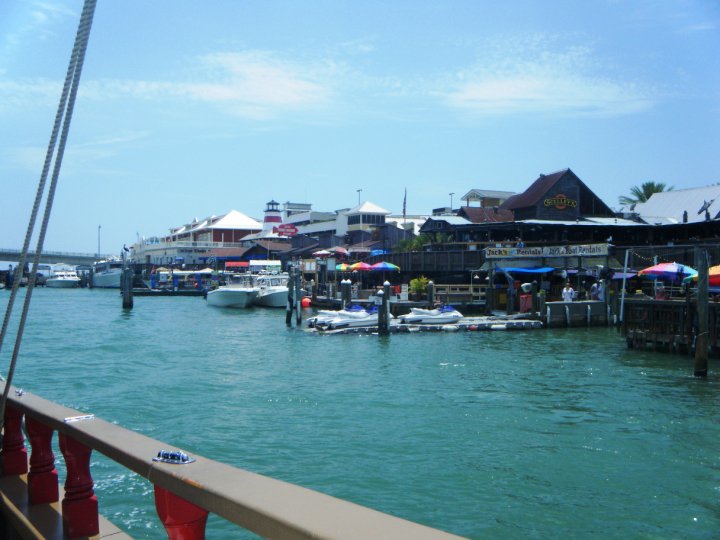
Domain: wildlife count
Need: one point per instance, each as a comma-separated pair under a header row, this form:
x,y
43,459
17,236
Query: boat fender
x,y
473,327
449,328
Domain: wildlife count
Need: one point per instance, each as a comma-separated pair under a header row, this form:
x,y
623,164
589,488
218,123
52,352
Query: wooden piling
x,y
701,343
290,305
384,310
298,296
126,283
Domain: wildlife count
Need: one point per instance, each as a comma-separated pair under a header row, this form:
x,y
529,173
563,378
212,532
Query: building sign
x,y
583,250
560,202
286,229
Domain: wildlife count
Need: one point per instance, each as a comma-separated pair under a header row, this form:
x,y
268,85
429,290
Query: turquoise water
x,y
538,434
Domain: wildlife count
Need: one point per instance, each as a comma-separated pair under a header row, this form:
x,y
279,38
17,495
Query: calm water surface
x,y
537,434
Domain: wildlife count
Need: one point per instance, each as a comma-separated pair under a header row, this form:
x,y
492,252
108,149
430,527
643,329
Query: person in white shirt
x,y
568,293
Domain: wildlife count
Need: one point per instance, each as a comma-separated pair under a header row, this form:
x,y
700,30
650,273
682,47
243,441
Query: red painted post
x,y
43,476
14,454
80,505
182,519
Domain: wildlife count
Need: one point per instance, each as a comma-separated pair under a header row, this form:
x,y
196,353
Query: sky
x,y
190,109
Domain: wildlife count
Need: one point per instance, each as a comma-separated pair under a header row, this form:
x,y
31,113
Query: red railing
x,y
184,493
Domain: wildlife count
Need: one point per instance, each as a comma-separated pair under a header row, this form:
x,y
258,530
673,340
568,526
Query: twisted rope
x,y
61,126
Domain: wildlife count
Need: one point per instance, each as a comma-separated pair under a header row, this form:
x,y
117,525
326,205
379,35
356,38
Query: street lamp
x,y
99,227
451,200
358,192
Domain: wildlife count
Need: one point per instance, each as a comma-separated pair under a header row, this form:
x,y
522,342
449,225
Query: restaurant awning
x,y
237,264
535,270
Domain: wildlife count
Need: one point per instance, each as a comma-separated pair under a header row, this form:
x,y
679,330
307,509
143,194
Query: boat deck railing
x,y
185,493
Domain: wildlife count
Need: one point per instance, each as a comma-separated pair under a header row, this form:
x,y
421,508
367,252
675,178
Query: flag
x,y
404,203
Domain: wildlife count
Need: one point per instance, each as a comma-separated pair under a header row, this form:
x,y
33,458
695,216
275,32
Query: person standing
x,y
601,290
568,293
594,294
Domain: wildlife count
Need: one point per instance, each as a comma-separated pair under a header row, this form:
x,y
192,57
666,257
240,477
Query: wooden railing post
x,y
182,519
80,505
14,454
43,476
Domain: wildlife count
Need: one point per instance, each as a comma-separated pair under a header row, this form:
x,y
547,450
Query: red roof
x,y
535,192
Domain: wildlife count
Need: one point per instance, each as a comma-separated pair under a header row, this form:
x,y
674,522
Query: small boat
x,y
107,273
240,292
63,279
326,316
368,317
273,290
441,315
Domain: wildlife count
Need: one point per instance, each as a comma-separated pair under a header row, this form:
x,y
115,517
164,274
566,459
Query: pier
x,y
669,325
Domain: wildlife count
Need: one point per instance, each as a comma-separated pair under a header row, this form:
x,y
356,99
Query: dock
x,y
468,324
144,291
668,325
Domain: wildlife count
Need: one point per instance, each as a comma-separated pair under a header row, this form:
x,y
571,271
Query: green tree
x,y
643,192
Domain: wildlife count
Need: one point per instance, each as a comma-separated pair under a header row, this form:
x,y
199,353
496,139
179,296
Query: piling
x,y
431,294
384,310
290,298
701,343
126,282
298,296
346,292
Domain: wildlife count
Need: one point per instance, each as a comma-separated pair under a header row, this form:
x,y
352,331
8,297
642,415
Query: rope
x,y
62,125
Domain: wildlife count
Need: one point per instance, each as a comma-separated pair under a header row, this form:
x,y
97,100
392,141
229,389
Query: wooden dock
x,y
668,325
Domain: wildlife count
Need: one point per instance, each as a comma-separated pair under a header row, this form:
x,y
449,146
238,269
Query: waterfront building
x,y
198,241
486,198
680,206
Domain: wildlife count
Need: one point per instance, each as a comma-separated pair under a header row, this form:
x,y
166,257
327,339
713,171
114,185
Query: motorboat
x,y
240,292
63,279
273,290
107,273
368,317
441,315
326,316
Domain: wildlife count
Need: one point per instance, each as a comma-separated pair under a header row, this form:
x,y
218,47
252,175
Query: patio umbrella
x,y
321,253
385,266
713,277
670,271
342,267
339,250
360,266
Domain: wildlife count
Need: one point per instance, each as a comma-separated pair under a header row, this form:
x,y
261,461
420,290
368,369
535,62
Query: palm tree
x,y
643,193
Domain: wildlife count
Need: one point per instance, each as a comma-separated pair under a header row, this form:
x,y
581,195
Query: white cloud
x,y
258,84
251,84
533,78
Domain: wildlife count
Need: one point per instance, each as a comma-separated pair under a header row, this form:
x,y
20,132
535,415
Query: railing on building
x,y
460,294
184,493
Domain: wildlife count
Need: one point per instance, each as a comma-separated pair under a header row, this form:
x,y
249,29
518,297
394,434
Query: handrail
x,y
269,507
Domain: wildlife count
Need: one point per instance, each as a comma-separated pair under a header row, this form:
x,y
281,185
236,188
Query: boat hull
x,y
107,280
431,316
234,298
276,298
62,283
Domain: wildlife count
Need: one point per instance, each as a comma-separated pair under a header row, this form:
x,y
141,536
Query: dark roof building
x,y
476,214
558,196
